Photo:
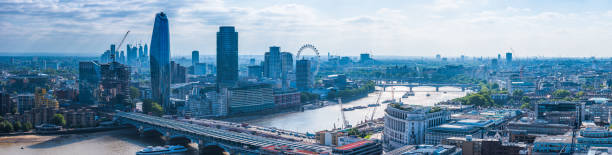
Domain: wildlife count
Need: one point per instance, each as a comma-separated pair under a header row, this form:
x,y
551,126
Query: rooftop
x,y
354,145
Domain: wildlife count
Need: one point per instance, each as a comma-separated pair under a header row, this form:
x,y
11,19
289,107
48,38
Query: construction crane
x,y
378,103
344,122
120,43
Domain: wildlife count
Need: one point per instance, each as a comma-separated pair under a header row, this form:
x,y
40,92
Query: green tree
x,y
6,127
27,126
517,93
134,92
561,93
526,105
58,119
17,125
148,106
477,100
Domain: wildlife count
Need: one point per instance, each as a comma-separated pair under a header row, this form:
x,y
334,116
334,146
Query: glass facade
x,y
160,61
227,56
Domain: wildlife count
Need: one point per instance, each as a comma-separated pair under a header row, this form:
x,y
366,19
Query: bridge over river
x,y
206,137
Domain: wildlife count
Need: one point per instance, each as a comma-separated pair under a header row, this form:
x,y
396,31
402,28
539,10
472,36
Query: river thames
x,y
128,142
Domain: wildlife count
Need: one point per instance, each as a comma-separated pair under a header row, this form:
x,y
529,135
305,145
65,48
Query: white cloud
x,y
444,26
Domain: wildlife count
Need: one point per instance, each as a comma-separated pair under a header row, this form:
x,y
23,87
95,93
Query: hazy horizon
x,y
384,28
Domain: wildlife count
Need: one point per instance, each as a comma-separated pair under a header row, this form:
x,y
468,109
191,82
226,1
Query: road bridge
x,y
437,86
205,137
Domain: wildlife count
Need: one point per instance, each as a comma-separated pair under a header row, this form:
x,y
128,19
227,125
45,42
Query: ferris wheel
x,y
314,49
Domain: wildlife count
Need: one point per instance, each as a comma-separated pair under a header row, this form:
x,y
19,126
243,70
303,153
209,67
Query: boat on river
x,y
162,150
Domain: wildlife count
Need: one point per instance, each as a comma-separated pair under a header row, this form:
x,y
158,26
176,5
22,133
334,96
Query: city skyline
x,y
418,28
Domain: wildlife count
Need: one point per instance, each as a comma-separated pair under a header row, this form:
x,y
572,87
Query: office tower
x,y
140,52
255,72
89,81
199,69
122,57
287,62
364,57
438,56
273,63
113,52
179,73
132,55
195,57
146,51
251,61
509,57
160,60
286,68
6,106
499,57
303,75
227,56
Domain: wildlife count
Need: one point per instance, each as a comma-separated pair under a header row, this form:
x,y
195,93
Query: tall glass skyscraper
x,y
160,60
227,56
195,57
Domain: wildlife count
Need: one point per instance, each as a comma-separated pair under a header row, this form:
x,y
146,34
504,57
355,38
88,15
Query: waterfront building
x,y
89,82
336,80
426,150
160,60
227,56
25,102
115,83
250,98
477,146
303,75
359,148
178,73
286,98
43,99
6,104
407,124
195,57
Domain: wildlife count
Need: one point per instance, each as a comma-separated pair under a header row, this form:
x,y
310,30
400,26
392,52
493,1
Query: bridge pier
x,y
437,89
141,131
410,88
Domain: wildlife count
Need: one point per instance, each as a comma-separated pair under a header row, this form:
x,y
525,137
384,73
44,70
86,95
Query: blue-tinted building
x,y
227,56
303,75
195,57
160,60
89,81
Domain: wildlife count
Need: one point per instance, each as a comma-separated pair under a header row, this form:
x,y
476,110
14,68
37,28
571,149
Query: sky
x,y
550,28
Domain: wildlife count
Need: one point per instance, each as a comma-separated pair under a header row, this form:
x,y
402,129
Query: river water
x,y
128,142
325,118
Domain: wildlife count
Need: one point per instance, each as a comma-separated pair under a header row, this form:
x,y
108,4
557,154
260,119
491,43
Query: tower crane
x,y
378,103
344,122
120,43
